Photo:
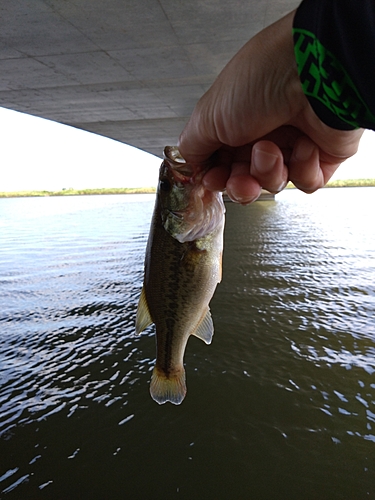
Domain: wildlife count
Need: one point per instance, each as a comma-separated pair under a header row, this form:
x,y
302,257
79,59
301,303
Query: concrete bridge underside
x,y
131,70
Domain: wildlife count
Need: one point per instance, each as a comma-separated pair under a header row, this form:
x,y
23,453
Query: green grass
x,y
345,183
352,183
77,192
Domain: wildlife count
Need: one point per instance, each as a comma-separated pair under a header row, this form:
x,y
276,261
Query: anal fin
x,y
205,328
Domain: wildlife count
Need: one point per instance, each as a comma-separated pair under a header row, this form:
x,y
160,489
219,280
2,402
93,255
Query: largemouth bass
x,y
182,268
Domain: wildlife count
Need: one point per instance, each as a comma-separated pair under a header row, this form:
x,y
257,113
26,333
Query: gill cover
x,y
189,211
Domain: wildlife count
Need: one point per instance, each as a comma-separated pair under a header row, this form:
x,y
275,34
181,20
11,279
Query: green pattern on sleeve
x,y
324,78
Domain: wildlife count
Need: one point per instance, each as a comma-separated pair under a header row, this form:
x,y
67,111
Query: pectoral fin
x,y
205,329
143,319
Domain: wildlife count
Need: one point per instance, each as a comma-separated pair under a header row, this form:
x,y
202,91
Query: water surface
x,y
281,405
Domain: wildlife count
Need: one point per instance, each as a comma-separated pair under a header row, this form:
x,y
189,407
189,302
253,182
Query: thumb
x,y
198,140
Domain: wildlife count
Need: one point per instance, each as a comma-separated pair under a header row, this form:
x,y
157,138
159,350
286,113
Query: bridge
x,y
131,70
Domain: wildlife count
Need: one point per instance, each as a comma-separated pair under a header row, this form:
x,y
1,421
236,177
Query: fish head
x,y
189,211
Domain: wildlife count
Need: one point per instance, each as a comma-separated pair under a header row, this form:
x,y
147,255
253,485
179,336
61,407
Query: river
x,y
280,406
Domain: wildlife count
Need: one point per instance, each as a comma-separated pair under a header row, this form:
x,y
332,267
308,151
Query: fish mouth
x,y
181,170
182,173
171,153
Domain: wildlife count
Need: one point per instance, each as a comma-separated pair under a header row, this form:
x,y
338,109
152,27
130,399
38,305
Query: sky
x,y
38,154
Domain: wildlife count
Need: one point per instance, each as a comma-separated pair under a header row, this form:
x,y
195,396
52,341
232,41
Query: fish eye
x,y
165,185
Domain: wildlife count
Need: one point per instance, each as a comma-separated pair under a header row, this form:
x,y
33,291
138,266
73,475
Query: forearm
x,y
334,46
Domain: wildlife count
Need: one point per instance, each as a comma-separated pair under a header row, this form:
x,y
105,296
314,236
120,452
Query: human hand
x,y
256,128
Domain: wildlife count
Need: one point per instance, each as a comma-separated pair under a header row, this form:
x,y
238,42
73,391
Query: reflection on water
x,y
281,405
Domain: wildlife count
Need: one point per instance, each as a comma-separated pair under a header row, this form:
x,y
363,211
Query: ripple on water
x,y
67,315
283,399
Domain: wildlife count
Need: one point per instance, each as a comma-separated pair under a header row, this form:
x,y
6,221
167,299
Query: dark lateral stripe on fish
x,y
168,346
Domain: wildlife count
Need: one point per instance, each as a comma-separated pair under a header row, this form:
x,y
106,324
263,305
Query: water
x,y
280,406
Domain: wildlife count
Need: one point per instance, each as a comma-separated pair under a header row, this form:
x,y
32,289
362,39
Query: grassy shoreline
x,y
344,183
77,192
151,190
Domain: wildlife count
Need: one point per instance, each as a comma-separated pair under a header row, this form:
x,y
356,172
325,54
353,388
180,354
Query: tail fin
x,y
170,387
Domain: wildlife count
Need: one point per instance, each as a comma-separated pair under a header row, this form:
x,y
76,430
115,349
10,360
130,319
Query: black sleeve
x,y
334,44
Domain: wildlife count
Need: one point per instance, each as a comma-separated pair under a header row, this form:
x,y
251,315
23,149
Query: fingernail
x,y
304,150
263,162
280,187
244,201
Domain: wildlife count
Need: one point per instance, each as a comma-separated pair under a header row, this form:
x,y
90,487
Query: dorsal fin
x,y
143,319
205,328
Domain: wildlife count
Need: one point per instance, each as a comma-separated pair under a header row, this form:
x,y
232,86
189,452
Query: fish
x,y
183,265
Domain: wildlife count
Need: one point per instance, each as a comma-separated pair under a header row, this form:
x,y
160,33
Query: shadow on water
x,y
281,405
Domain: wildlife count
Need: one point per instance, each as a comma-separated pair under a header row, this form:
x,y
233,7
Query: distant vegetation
x,y
352,183
77,192
345,183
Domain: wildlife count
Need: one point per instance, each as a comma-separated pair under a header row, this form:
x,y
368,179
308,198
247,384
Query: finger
x,y
216,178
328,169
267,166
304,166
241,186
